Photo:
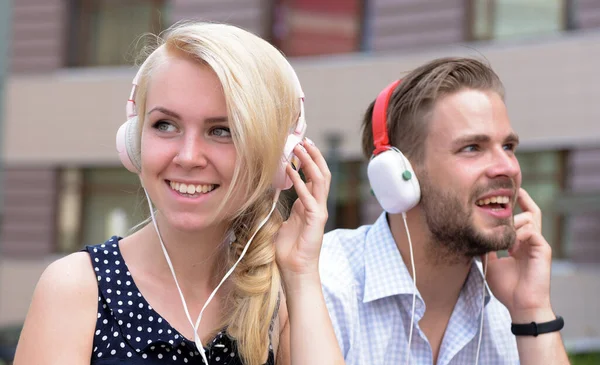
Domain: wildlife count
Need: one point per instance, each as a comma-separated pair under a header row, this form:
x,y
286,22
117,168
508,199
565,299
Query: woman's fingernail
x,y
309,141
295,162
301,147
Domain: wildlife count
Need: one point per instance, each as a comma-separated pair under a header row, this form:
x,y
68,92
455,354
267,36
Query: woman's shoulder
x,y
67,282
62,312
73,273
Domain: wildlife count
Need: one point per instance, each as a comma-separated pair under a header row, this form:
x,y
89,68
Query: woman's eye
x,y
164,126
221,132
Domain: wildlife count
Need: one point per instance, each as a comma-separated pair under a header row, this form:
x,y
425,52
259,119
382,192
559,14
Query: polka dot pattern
x,y
128,330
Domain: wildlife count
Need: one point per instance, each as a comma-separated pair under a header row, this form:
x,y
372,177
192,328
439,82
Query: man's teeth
x,y
494,199
190,188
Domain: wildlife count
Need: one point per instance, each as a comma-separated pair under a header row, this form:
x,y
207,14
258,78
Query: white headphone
x,y
129,153
129,149
391,175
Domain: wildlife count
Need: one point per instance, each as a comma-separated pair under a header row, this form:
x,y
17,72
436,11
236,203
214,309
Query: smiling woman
x,y
215,120
186,142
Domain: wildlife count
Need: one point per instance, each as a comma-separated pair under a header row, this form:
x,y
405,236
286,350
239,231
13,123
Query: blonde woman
x,y
215,132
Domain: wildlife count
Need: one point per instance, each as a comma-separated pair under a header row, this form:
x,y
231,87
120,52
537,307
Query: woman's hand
x,y
299,239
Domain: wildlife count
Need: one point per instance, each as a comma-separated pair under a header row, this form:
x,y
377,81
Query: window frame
x,y
566,10
78,50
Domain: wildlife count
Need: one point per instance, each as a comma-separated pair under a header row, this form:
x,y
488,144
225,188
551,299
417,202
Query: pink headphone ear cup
x,y
281,180
127,146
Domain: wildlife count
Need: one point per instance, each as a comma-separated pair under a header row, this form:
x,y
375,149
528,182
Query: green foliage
x,y
592,358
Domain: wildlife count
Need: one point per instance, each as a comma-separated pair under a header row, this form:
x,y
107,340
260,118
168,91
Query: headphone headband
x,y
392,178
127,138
131,111
301,123
379,118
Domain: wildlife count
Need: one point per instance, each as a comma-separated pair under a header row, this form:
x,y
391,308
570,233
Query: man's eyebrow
x,y
512,138
482,138
470,139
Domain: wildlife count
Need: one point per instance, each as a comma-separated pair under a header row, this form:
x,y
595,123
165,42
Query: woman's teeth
x,y
190,188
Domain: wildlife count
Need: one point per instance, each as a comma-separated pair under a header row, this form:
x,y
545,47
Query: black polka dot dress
x,y
129,331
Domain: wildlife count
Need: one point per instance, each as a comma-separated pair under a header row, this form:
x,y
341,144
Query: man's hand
x,y
521,281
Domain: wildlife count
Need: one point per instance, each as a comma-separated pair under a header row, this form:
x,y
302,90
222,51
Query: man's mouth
x,y
191,190
495,203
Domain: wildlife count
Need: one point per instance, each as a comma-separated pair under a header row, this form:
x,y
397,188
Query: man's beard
x,y
452,227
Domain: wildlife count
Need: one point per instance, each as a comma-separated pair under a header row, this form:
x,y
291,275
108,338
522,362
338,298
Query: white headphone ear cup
x,y
394,182
128,145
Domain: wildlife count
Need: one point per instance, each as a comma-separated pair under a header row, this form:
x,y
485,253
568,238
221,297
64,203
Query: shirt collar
x,y
474,286
386,274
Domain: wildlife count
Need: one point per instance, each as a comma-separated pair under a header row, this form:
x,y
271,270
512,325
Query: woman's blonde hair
x,y
263,107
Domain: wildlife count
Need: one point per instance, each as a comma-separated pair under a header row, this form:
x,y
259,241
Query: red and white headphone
x,y
392,178
128,140
397,189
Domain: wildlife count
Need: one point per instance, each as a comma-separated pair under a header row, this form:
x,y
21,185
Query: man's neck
x,y
440,278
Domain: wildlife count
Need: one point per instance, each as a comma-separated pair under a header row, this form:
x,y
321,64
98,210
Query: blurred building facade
x,y
70,69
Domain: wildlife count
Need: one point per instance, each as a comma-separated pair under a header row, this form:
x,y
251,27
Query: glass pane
x,y
548,163
482,23
69,210
542,179
515,18
113,204
539,165
115,29
112,176
314,27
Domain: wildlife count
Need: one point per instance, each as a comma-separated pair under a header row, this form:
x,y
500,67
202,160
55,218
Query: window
x,y
544,179
95,204
350,202
580,204
346,198
315,27
502,19
114,202
106,32
69,209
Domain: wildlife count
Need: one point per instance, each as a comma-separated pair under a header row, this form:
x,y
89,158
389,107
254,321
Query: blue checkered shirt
x,y
368,291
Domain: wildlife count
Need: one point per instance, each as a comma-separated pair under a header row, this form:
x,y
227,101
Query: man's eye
x,y
510,146
470,148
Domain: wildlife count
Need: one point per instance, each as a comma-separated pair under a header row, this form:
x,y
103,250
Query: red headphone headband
x,y
379,119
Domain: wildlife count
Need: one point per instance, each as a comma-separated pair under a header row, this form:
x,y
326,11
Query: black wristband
x,y
534,329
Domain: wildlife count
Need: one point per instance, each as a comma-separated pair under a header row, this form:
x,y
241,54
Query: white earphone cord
x,y
482,309
412,317
414,275
197,339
